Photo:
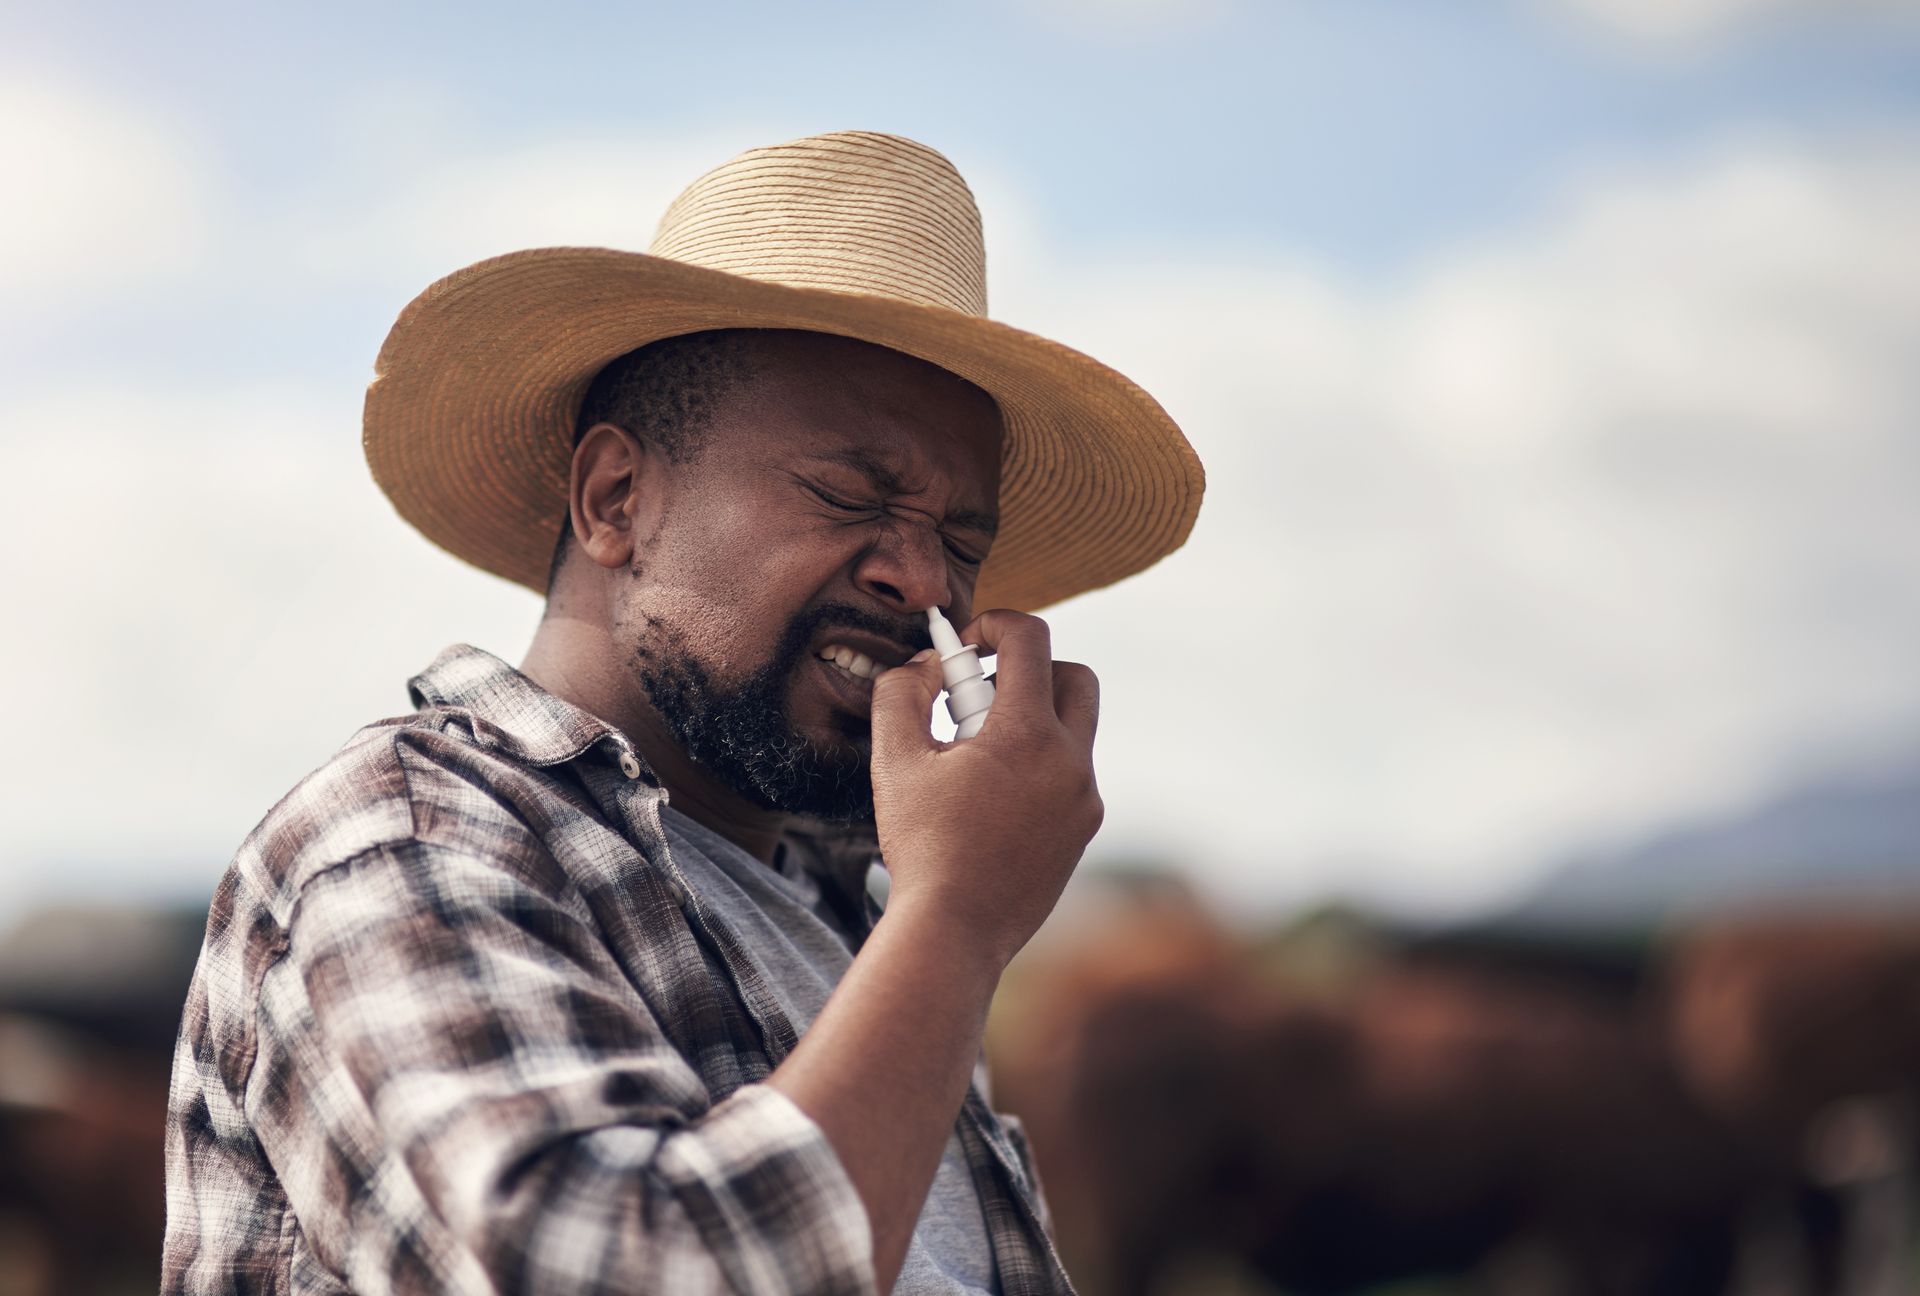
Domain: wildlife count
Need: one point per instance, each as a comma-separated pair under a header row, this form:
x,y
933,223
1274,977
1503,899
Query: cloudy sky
x,y
1552,362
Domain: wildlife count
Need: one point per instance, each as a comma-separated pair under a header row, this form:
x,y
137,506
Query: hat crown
x,y
851,211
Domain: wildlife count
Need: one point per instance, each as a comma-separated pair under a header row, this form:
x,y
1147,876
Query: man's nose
x,y
906,568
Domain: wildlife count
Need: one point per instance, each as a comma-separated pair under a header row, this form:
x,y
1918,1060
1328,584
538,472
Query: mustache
x,y
912,633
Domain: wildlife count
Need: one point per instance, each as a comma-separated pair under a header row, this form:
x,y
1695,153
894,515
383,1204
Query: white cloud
x,y
117,202
1567,534
607,191
211,595
1570,534
1674,23
99,195
1133,19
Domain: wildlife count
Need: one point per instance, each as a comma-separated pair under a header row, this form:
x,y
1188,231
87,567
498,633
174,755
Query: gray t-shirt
x,y
785,925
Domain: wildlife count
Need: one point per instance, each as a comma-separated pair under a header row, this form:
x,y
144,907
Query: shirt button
x,y
629,765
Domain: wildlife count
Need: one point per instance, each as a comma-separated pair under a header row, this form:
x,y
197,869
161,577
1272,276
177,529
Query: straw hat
x,y
469,421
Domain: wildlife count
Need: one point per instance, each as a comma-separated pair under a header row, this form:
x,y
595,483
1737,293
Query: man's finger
x,y
902,705
1023,675
1076,700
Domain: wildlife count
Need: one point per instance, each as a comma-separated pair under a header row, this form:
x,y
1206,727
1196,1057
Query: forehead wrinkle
x,y
875,469
888,481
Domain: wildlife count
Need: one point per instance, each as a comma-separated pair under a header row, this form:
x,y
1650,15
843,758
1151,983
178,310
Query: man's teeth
x,y
854,663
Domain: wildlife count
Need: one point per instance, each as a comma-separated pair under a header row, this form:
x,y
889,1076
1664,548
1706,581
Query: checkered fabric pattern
x,y
460,1026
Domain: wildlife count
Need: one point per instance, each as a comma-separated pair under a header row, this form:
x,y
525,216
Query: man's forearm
x,y
884,1068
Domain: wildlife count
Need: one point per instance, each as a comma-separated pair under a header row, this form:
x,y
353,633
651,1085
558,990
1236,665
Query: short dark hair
x,y
665,391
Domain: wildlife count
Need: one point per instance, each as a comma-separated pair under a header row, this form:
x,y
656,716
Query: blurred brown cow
x,y
89,1002
1775,1018
81,1124
1429,1120
1804,1030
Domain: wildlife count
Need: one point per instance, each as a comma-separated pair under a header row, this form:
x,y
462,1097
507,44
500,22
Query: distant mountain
x,y
1851,840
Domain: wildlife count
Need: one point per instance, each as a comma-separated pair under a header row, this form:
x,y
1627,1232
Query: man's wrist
x,y
939,935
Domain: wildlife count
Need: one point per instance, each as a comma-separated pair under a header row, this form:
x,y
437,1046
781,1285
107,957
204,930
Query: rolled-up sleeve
x,y
462,1090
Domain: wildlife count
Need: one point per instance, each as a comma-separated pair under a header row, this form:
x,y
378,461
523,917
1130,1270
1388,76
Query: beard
x,y
743,733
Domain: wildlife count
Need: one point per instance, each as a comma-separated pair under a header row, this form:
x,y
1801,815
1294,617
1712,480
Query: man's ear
x,y
617,494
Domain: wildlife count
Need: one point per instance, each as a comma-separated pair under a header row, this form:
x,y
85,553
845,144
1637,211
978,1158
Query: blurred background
x,y
1511,873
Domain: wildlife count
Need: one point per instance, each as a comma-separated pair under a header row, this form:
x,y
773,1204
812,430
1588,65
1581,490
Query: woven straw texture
x,y
469,420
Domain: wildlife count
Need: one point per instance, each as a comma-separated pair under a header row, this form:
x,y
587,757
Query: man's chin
x,y
844,803
854,746
749,738
841,736
831,780
846,794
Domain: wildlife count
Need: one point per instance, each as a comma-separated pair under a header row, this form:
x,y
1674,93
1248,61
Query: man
x,y
569,981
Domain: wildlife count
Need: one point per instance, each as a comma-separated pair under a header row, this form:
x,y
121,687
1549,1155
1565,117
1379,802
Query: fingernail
x,y
920,656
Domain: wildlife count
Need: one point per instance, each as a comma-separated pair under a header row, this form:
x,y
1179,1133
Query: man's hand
x,y
986,832
980,837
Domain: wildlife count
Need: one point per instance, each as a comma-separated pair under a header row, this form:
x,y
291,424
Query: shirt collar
x,y
508,713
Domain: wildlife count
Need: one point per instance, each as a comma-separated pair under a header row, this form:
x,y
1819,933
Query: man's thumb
x,y
903,704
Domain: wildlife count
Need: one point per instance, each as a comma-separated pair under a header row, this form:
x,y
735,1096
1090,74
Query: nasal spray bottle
x,y
969,692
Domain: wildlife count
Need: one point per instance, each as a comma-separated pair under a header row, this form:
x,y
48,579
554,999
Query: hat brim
x,y
469,420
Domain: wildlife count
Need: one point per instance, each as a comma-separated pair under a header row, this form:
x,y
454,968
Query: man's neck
x,y
578,663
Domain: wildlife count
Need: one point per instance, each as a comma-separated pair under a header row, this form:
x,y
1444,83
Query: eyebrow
x,y
889,482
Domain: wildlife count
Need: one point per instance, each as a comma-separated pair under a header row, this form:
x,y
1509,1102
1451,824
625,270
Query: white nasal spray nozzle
x,y
969,693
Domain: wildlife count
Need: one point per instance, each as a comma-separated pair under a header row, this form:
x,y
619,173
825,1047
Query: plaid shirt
x,y
459,1025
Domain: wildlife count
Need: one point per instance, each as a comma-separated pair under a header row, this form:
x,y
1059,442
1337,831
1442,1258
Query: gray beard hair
x,y
743,734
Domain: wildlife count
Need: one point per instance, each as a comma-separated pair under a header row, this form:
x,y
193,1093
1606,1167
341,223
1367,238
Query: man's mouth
x,y
860,655
851,661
